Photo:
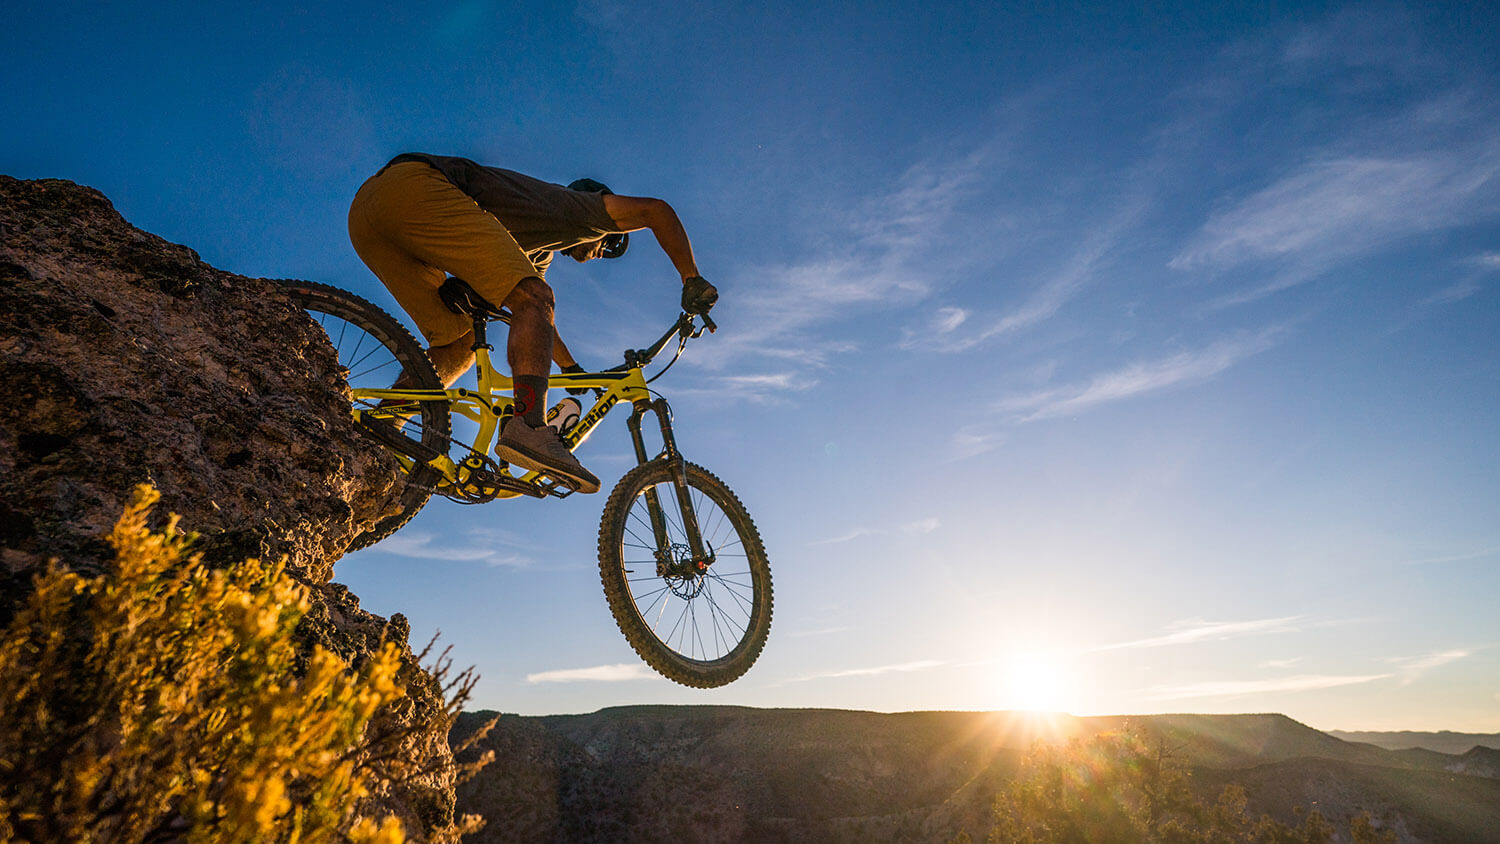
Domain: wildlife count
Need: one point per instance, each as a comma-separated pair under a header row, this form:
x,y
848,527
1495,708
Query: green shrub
x,y
1126,788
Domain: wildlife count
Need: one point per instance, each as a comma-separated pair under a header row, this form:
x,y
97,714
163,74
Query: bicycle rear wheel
x,y
374,349
701,628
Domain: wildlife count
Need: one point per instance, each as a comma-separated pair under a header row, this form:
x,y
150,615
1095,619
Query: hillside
x,y
127,360
1422,805
736,774
1442,742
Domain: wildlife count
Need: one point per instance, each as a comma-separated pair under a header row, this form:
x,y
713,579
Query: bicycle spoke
x,y
639,542
729,618
363,373
360,344
743,604
645,523
686,605
669,512
697,631
726,632
663,595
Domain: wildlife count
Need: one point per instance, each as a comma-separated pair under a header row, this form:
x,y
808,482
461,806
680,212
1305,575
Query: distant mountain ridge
x,y
711,773
1442,742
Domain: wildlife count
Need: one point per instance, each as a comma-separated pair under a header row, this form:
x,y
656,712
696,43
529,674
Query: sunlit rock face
x,y
128,360
125,359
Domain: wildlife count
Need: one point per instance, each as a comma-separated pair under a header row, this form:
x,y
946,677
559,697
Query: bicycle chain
x,y
486,467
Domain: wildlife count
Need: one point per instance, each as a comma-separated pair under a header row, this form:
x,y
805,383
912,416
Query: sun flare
x,y
1034,682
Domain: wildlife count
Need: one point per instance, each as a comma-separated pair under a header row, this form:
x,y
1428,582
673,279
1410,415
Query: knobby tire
x,y
705,638
359,332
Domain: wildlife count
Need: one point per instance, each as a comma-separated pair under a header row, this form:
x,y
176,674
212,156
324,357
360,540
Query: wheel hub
x,y
684,575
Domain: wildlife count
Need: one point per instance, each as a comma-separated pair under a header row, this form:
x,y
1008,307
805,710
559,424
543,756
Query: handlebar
x,y
684,328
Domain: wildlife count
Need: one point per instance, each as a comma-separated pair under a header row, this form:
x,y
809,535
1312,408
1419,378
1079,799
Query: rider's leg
x,y
452,360
526,439
529,347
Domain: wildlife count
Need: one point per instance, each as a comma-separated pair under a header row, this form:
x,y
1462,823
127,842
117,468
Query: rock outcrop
x,y
125,359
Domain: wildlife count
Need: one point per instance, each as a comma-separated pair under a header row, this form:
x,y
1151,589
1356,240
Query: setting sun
x,y
1033,681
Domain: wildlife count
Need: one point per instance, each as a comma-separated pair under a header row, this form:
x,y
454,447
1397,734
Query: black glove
x,y
575,391
698,295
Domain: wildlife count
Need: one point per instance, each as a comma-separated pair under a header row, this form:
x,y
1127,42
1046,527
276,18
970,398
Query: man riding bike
x,y
423,217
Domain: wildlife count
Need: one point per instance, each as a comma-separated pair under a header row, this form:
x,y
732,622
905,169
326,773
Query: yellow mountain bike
x,y
681,561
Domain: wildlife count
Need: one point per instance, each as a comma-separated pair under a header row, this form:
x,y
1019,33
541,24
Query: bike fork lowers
x,y
677,468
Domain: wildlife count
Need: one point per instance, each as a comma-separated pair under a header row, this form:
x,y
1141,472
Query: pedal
x,y
543,485
554,486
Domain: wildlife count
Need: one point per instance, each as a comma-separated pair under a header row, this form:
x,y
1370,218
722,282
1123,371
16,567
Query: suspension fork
x,y
677,468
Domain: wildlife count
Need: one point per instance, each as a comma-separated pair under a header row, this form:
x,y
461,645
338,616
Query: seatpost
x,y
480,326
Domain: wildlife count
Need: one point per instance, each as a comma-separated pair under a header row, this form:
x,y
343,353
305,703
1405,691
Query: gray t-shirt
x,y
541,216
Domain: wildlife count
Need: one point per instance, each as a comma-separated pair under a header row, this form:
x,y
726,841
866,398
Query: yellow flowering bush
x,y
166,700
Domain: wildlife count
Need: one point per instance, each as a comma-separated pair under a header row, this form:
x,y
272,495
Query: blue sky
x,y
1096,358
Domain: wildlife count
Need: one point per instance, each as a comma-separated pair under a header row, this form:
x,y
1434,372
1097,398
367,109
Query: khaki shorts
x,y
412,228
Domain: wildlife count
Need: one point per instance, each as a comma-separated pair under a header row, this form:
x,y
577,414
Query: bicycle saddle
x,y
460,298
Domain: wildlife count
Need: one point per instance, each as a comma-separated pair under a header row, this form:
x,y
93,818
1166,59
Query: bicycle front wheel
x,y
699,626
374,349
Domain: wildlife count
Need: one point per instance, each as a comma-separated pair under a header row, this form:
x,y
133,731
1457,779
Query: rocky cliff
x,y
125,359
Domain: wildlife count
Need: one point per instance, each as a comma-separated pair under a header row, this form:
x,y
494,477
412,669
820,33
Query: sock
x,y
531,399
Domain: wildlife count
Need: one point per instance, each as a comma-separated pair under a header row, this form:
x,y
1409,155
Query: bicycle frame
x,y
491,402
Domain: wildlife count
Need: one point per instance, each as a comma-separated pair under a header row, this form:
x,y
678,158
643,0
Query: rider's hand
x,y
698,295
569,370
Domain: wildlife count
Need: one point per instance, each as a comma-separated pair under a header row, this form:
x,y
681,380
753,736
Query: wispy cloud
x,y
475,546
916,528
1281,663
1456,558
1187,367
596,674
945,320
1327,210
877,251
1348,175
1381,35
764,388
877,256
1238,688
822,631
1080,269
1488,260
973,440
1433,166
1191,631
1412,668
1456,292
1066,281
901,667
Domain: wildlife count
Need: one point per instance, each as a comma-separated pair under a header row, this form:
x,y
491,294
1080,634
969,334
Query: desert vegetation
x,y
1127,787
169,700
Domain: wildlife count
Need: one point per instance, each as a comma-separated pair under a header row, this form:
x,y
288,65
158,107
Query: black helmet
x,y
614,244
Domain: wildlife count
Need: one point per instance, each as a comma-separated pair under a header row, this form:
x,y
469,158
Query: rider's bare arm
x,y
633,213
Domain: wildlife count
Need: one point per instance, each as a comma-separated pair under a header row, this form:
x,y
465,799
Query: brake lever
x,y
688,329
709,324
